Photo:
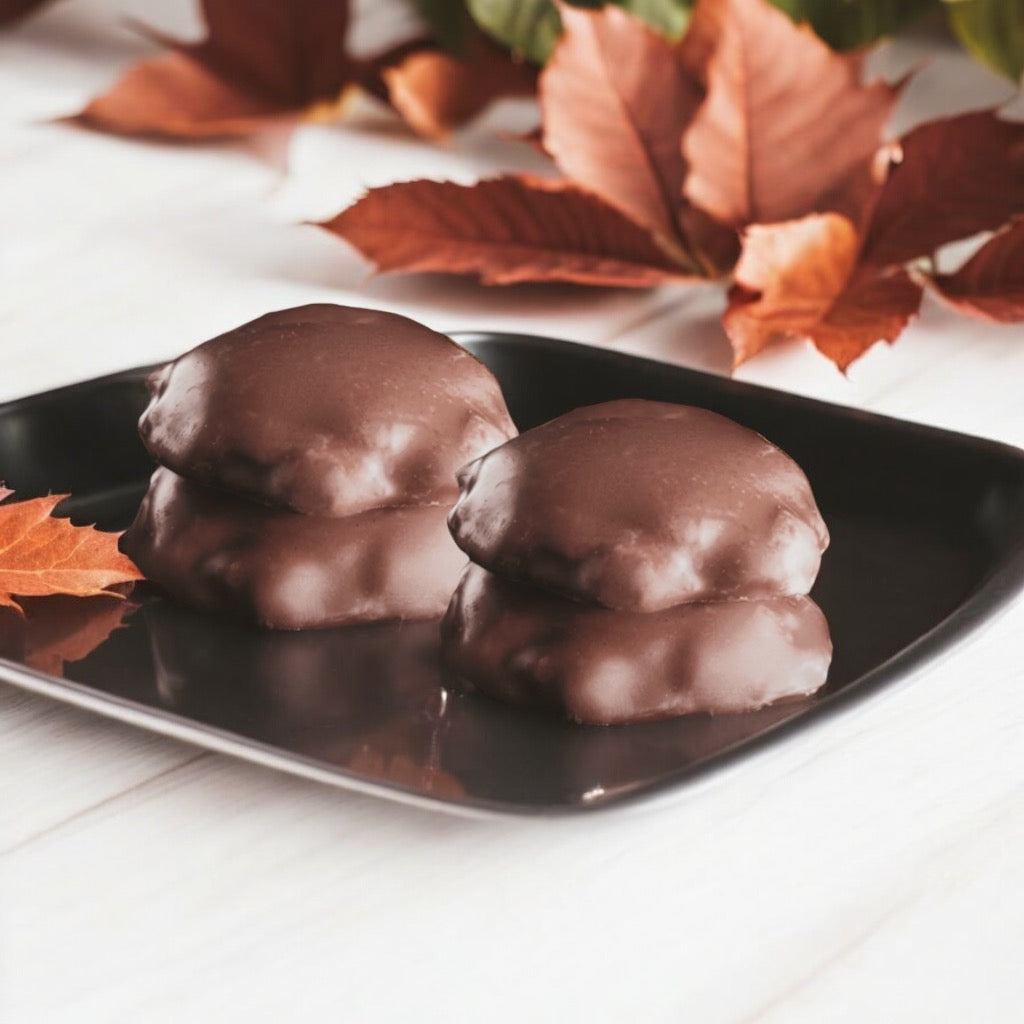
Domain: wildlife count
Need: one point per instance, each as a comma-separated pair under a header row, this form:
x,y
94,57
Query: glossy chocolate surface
x,y
601,667
927,544
328,410
290,571
374,701
640,506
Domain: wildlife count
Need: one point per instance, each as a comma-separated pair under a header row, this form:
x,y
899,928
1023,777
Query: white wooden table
x,y
869,869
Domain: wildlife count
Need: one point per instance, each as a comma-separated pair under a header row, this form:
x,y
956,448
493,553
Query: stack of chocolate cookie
x,y
307,466
637,560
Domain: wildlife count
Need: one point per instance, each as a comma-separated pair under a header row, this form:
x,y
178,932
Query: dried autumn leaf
x,y
787,127
803,279
786,141
262,60
990,285
615,98
13,10
56,630
41,555
505,230
436,92
175,97
875,306
956,177
787,278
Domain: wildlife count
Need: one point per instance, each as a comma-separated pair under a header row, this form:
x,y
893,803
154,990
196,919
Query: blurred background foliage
x,y
991,30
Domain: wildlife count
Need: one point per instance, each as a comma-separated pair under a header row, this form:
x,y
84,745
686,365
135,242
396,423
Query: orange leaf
x,y
41,555
787,128
801,279
436,93
990,285
875,306
955,177
789,275
615,98
505,230
262,59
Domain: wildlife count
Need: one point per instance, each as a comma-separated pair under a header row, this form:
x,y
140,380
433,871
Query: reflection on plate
x,y
374,701
366,698
927,541
52,631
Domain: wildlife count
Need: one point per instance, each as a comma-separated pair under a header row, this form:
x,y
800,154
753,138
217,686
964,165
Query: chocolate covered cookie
x,y
290,571
641,506
327,410
603,667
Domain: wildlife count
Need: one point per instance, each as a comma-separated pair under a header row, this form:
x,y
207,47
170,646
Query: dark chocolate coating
x,y
601,667
328,410
290,571
641,506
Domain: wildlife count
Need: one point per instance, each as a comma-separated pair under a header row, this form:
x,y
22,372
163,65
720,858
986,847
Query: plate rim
x,y
993,596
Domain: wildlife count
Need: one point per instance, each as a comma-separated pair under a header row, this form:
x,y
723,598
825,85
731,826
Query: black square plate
x,y
927,541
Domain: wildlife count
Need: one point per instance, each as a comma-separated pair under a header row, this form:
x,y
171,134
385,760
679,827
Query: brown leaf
x,y
956,177
436,92
55,630
990,285
261,59
505,230
802,279
41,555
787,127
875,306
615,98
13,10
750,121
173,96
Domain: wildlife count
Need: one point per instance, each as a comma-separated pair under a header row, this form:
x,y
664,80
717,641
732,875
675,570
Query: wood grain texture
x,y
226,882
867,869
52,746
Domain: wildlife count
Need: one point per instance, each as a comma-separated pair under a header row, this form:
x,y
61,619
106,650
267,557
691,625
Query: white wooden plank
x,y
222,888
57,761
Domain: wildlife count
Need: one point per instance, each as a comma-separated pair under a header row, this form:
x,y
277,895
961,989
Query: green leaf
x,y
669,17
847,24
530,28
448,21
992,31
